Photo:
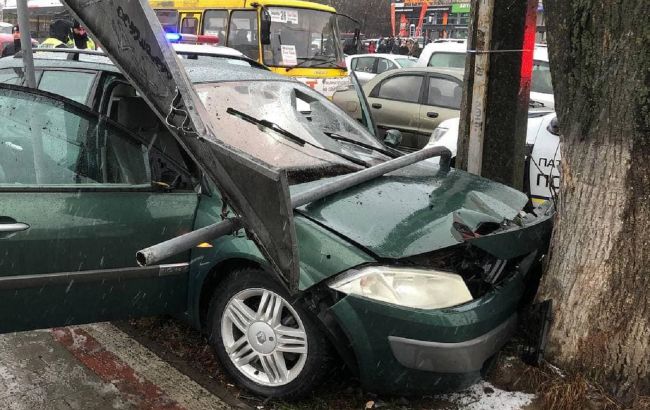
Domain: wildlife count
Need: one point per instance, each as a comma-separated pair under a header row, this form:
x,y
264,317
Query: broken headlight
x,y
409,287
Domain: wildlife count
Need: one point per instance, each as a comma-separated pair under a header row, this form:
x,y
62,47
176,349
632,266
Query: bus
x,y
295,38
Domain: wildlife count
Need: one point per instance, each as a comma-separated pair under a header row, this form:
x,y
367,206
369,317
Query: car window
x,y
168,19
190,25
45,142
444,93
406,62
215,23
401,88
363,64
243,33
74,85
385,65
541,82
447,60
11,76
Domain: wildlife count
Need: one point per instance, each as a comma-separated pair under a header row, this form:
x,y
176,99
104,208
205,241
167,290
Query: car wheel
x,y
266,343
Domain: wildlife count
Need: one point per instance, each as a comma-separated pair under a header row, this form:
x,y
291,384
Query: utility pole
x,y
26,42
494,111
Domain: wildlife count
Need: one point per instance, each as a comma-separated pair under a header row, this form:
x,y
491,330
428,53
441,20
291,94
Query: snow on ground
x,y
484,396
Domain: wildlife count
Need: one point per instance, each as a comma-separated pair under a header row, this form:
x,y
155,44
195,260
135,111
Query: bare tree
x,y
374,15
599,270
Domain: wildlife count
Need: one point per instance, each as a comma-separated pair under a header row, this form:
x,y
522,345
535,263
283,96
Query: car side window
x,y
243,33
74,85
444,93
215,23
385,65
46,142
404,88
447,60
363,64
190,25
11,76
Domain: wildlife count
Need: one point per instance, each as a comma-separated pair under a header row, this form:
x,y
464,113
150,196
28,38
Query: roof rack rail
x,y
73,53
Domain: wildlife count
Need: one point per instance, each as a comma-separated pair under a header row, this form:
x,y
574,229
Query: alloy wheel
x,y
264,337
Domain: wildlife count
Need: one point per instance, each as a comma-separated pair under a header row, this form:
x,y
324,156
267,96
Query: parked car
x,y
413,101
543,158
367,66
414,279
451,54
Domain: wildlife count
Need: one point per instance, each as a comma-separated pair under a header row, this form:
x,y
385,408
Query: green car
x,y
414,280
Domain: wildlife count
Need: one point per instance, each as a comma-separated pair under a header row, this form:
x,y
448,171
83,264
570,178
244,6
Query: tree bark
x,y
599,269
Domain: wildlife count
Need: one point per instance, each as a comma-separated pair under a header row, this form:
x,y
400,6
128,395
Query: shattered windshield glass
x,y
287,124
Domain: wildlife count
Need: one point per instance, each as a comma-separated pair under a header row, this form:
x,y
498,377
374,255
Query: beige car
x,y
413,101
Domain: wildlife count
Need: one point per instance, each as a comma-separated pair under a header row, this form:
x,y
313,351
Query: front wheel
x,y
267,344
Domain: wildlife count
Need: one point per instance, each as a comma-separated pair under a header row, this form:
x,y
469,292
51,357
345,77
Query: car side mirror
x,y
265,28
393,138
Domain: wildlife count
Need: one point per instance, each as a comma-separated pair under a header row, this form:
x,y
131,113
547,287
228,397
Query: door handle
x,y
432,114
13,227
377,106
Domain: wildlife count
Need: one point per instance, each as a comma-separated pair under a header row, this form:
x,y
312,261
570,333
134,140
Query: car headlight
x,y
437,134
410,287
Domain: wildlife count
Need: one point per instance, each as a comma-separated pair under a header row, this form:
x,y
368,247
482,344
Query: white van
x,y
450,53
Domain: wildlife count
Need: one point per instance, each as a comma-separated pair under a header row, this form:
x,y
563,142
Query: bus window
x,y
243,33
190,25
302,36
168,19
215,23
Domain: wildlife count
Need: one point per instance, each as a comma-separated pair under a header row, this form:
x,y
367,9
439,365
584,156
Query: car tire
x,y
253,340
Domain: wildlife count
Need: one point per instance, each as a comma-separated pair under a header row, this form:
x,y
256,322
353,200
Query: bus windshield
x,y
304,38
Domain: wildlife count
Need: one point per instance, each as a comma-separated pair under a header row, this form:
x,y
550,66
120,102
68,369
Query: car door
x,y
442,99
365,68
395,104
77,200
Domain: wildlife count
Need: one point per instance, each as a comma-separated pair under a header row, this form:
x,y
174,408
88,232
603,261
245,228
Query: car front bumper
x,y
408,351
462,357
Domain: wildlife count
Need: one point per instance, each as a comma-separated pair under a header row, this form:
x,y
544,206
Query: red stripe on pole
x,y
136,389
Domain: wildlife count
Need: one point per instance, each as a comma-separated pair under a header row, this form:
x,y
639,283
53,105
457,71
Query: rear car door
x,y
77,200
395,104
442,99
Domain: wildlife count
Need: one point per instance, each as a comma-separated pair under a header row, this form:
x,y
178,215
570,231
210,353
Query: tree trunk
x,y
599,269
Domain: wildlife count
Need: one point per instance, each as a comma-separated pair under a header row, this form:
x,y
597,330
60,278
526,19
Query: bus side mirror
x,y
265,28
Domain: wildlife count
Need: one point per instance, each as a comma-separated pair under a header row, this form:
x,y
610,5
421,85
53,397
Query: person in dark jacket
x,y
60,35
414,48
15,47
80,38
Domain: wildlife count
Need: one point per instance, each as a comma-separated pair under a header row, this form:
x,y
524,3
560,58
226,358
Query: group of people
x,y
66,34
396,45
63,34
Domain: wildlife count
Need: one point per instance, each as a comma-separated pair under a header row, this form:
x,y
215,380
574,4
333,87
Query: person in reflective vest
x,y
80,38
60,35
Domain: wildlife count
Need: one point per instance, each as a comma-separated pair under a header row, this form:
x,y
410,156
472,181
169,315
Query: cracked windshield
x,y
324,204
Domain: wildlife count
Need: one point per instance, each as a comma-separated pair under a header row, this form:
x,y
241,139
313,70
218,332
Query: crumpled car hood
x,y
411,212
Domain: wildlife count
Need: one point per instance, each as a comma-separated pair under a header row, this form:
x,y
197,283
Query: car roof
x,y
207,49
200,71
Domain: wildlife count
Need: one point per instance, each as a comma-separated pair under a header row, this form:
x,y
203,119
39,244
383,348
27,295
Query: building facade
x,y
434,19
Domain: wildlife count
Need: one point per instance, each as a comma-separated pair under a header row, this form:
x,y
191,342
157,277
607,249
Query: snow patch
x,y
483,396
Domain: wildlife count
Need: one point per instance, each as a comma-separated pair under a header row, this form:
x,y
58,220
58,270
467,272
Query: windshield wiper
x,y
291,136
268,124
319,62
339,137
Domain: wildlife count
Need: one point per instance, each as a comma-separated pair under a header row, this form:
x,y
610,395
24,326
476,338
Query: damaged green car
x,y
413,279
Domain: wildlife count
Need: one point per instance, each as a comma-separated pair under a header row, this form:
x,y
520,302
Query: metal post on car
x,y
26,43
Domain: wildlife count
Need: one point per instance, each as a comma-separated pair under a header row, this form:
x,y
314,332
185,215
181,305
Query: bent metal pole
x,y
26,42
158,253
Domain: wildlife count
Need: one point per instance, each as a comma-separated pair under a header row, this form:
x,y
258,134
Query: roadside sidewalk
x,y
92,367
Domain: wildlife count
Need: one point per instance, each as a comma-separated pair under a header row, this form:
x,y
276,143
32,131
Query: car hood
x,y
412,211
